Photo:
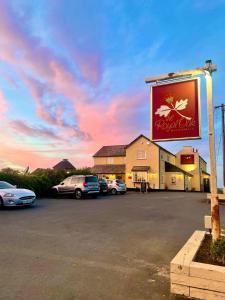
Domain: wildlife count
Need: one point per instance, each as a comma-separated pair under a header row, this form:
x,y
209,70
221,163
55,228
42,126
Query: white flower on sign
x,y
180,105
164,110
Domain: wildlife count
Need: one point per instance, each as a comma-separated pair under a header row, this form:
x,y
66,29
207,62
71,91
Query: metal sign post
x,y
207,70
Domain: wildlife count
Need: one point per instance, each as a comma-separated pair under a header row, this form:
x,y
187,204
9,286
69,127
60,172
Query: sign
x,y
186,159
175,110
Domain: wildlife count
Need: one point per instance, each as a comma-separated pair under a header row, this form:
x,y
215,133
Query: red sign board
x,y
175,109
187,159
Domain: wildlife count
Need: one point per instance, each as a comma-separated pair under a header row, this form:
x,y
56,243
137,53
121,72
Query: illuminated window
x,y
140,176
109,160
141,154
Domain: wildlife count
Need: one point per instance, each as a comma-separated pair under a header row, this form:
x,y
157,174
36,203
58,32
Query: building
x,y
64,165
144,160
189,160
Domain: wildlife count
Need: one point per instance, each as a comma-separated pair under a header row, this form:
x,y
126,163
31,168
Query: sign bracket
x,y
207,70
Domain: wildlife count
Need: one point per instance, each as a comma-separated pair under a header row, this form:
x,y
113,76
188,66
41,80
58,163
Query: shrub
x,y
218,250
41,180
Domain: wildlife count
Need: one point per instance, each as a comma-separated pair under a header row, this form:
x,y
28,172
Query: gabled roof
x,y
204,172
108,169
202,158
120,150
141,135
109,151
64,165
172,168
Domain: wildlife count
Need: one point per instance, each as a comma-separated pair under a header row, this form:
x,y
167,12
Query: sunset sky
x,y
72,73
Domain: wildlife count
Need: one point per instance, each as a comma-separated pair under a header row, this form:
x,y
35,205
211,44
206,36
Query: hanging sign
x,y
175,111
187,159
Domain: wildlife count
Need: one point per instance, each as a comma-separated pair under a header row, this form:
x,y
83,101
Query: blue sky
x,y
72,72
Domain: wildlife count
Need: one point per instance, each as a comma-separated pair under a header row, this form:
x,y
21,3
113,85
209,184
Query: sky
x,y
72,73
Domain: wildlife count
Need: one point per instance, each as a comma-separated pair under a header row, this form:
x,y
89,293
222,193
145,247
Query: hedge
x,y
40,181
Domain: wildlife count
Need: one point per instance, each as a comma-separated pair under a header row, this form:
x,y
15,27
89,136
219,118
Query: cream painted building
x,y
144,160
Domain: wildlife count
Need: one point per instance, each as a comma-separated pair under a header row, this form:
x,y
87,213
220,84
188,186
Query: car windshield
x,y
102,181
119,181
91,179
6,185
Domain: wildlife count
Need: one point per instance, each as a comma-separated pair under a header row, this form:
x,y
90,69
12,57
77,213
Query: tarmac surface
x,y
111,248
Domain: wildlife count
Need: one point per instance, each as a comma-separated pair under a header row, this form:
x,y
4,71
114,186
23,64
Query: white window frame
x,y
139,176
141,154
109,160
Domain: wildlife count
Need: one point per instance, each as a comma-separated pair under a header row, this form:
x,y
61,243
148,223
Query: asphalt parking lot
x,y
113,247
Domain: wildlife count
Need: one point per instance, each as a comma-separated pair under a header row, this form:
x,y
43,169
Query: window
x,y
74,180
67,181
91,179
140,176
141,154
119,181
109,160
173,179
6,185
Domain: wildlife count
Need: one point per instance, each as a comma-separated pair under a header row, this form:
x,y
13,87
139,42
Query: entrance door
x,y
206,185
185,182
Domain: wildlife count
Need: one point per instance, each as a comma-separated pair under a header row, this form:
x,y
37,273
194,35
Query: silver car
x,y
12,196
116,186
78,186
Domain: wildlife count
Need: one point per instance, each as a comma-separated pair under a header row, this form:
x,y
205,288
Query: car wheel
x,y
78,194
1,203
55,193
114,191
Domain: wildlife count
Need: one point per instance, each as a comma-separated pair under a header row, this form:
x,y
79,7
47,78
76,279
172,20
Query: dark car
x,y
103,186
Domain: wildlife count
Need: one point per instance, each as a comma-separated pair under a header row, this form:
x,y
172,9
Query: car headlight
x,y
9,195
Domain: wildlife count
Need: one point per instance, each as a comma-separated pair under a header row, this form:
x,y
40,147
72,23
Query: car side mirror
x,y
62,183
15,186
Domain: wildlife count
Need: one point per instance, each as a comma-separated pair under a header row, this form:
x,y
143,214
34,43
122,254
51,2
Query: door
x,y
185,182
63,188
206,185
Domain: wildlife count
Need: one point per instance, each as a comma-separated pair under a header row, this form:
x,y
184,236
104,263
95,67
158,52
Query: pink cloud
x,y
25,157
52,111
40,132
91,123
107,121
3,104
89,65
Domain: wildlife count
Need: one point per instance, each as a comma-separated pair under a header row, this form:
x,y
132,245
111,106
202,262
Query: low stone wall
x,y
193,279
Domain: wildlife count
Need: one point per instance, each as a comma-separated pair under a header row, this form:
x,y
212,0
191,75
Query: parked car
x,y
103,186
78,185
116,186
10,195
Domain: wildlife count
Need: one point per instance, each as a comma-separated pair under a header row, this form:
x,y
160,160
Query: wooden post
x,y
223,139
213,178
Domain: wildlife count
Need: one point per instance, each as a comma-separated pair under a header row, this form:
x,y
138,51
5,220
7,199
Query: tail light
x,y
85,184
